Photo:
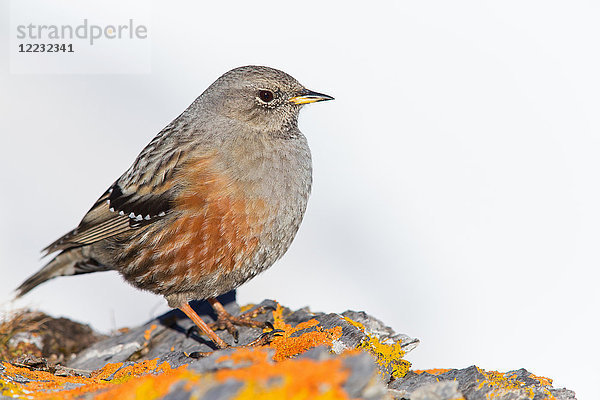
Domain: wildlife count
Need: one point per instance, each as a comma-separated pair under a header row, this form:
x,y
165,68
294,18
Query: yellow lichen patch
x,y
355,324
11,389
389,356
432,371
501,385
286,346
288,379
247,307
148,332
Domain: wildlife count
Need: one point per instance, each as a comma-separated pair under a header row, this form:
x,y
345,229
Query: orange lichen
x,y
245,355
389,356
148,332
106,371
43,383
40,380
281,376
263,377
149,386
286,346
290,378
432,371
139,369
542,380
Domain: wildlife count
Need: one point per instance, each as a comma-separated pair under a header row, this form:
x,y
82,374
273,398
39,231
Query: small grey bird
x,y
214,199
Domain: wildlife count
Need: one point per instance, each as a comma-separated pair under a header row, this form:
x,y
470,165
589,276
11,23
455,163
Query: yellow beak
x,y
310,97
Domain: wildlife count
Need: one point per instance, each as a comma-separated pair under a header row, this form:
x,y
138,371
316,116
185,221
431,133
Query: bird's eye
x,y
265,95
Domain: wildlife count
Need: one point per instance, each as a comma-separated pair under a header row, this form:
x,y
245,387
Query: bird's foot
x,y
226,321
263,340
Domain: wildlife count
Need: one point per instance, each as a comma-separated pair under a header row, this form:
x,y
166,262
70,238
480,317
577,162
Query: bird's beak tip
x,y
309,96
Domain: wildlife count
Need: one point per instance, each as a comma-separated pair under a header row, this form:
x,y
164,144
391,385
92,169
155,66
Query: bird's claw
x,y
227,321
197,354
269,325
266,338
191,330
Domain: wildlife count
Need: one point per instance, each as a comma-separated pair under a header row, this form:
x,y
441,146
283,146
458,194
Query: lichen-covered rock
x,y
473,383
319,356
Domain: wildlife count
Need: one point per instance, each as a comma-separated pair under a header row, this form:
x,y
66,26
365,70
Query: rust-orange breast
x,y
217,228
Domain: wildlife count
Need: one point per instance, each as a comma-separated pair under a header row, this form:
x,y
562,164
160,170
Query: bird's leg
x,y
187,309
228,321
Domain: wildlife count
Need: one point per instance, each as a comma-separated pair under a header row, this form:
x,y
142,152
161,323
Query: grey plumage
x,y
214,199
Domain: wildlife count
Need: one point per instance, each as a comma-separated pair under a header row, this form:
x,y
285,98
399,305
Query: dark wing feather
x,y
142,195
113,215
137,207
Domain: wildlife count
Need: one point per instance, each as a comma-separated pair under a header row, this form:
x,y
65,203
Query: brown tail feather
x,y
69,262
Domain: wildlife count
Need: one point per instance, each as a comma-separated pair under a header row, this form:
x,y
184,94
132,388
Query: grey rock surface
x,y
167,339
437,391
472,383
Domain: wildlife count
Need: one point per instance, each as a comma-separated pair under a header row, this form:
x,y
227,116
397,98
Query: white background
x,y
456,190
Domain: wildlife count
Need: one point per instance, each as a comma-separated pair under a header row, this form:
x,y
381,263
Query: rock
x,y
474,383
348,355
437,391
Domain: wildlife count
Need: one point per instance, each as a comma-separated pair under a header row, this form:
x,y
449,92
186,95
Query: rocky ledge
x,y
318,356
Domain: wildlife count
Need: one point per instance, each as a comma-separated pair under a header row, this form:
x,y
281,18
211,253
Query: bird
x,y
215,198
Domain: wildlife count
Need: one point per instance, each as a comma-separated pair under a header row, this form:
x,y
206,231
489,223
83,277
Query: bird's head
x,y
266,99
